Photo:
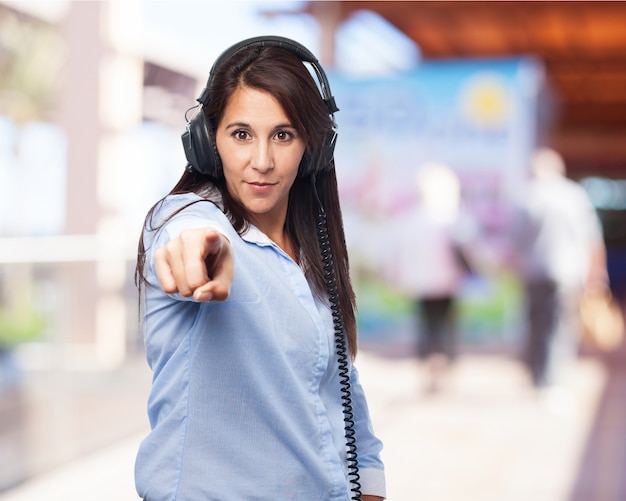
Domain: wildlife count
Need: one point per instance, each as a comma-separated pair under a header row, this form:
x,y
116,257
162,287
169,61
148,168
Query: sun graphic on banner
x,y
484,100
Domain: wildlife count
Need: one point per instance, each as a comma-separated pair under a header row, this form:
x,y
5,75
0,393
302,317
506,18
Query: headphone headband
x,y
199,138
299,50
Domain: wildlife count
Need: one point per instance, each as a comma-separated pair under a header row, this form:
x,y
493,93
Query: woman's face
x,y
260,152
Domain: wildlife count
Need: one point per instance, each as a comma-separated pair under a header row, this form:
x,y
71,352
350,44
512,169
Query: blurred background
x,y
93,97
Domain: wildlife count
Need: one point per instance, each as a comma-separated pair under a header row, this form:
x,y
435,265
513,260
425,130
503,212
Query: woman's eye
x,y
242,135
283,135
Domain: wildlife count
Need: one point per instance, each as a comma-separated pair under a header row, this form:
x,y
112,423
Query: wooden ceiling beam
x,y
582,44
594,116
550,28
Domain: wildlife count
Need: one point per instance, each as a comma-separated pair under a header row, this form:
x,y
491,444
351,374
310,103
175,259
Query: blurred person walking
x,y
428,265
559,252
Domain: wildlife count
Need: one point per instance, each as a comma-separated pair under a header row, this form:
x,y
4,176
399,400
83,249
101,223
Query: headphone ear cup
x,y
329,149
309,162
200,148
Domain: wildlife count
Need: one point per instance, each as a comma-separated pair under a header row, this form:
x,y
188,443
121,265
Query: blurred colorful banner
x,y
479,117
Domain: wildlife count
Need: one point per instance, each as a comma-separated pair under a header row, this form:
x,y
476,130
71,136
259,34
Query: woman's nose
x,y
262,158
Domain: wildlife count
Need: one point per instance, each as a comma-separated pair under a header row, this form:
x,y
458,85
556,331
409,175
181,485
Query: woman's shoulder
x,y
185,209
180,200
188,204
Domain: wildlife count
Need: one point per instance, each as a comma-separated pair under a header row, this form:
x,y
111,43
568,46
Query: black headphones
x,y
199,137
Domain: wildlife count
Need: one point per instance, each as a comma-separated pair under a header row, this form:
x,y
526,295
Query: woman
x,y
240,320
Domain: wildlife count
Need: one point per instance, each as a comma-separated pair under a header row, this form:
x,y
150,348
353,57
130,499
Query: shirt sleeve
x,y
371,469
196,215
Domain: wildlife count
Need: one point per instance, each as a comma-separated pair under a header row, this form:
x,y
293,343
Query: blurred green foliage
x,y
19,328
488,309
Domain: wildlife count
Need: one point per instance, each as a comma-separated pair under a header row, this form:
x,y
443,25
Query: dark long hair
x,y
283,75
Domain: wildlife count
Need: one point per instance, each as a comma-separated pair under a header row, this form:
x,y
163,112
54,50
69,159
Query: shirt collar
x,y
256,236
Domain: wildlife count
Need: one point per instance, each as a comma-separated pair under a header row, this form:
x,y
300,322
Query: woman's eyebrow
x,y
286,125
237,124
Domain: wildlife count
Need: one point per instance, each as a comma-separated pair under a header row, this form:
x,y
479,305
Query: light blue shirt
x,y
246,402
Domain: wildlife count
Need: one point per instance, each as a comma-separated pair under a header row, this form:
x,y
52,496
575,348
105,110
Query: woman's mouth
x,y
261,188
